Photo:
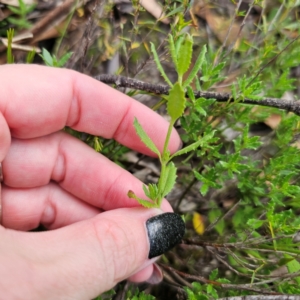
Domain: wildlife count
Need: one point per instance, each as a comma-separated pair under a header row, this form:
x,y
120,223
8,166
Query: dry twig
x,y
120,81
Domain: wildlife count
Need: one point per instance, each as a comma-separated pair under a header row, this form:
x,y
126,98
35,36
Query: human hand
x,y
99,236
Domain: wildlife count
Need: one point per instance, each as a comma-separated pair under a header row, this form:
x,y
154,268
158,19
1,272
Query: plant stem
x,y
167,140
164,160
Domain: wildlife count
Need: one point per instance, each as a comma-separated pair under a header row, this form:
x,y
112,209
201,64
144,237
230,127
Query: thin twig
x,y
228,32
244,287
272,60
241,28
263,297
212,225
120,81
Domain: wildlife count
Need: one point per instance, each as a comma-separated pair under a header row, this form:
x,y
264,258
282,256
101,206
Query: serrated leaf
x,y
146,191
159,66
178,44
170,179
145,138
151,191
184,55
173,50
176,102
197,66
195,145
145,203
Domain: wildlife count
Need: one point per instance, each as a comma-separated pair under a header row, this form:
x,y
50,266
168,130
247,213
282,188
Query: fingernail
x,y
157,275
164,232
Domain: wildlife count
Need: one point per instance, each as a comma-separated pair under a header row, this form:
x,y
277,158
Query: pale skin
x,y
98,235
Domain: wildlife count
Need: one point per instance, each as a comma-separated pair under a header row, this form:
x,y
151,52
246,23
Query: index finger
x,y
37,100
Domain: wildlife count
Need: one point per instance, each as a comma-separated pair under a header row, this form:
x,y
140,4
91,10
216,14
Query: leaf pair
x,y
181,53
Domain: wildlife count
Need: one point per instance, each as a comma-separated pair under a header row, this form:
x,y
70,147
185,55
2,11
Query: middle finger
x,y
76,167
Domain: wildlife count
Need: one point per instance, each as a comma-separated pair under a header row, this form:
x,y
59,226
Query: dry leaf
x,y
155,10
16,2
198,223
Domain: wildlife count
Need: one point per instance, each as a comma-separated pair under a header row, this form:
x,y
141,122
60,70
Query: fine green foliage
x,y
30,56
137,295
196,68
21,12
238,170
53,61
181,53
254,174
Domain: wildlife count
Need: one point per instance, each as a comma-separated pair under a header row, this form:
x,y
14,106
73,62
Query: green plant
x,y
21,11
53,61
253,236
245,184
181,53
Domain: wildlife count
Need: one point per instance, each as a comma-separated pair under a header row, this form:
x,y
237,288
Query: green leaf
x,y
175,11
30,56
63,60
15,10
197,67
178,44
204,189
176,102
151,191
173,50
191,94
195,145
213,275
293,267
184,56
255,223
170,179
159,66
145,138
145,203
47,58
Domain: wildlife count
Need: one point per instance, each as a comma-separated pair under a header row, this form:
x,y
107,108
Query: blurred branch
x,y
263,297
120,81
244,287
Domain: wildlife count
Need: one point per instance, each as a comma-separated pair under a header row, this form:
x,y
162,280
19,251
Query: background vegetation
x,y
239,188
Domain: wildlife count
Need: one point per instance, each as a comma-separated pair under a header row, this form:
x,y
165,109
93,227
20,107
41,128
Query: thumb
x,y
85,259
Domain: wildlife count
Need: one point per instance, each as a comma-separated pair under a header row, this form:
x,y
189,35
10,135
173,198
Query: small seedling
x,y
21,11
181,52
53,61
